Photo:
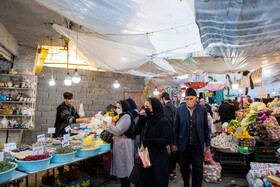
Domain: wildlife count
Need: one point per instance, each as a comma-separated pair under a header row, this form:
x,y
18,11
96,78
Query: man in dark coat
x,y
226,112
191,132
169,111
66,115
155,134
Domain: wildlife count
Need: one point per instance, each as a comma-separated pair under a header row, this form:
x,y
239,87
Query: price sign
x,y
1,156
239,130
65,143
41,138
66,137
38,150
68,128
51,130
10,146
83,125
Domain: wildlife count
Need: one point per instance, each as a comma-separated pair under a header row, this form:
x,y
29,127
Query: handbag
x,y
106,136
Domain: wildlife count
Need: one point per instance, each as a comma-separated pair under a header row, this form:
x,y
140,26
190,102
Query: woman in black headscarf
x,y
123,146
156,134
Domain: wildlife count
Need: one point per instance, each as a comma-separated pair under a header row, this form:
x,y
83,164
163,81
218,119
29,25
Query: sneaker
x,y
171,178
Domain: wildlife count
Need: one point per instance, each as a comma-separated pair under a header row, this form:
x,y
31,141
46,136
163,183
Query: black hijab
x,y
157,106
125,106
133,106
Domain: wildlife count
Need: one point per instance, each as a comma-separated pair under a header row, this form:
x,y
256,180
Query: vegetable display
x,y
233,125
225,142
273,132
90,147
64,150
258,131
35,157
243,135
249,119
5,166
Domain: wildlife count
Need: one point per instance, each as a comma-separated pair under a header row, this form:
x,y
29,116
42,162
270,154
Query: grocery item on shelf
x,y
35,157
4,166
64,150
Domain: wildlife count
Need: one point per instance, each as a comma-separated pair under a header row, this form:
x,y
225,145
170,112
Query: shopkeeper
x,y
66,115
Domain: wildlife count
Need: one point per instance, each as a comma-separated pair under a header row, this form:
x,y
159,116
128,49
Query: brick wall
x,y
25,60
48,98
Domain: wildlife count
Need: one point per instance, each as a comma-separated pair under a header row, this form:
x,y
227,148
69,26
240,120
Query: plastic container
x,y
87,152
9,174
104,147
36,165
62,158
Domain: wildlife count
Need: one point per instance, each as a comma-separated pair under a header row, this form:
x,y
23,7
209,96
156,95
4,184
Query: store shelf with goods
x,y
8,115
5,129
19,89
17,102
16,75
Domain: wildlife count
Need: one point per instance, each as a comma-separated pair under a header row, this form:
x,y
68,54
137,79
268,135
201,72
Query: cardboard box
x,y
73,178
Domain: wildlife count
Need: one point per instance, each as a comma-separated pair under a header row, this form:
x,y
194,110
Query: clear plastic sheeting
x,y
105,54
245,34
271,74
169,25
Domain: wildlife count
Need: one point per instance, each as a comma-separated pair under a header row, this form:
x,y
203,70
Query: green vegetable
x,y
257,106
64,150
235,124
273,103
4,166
250,118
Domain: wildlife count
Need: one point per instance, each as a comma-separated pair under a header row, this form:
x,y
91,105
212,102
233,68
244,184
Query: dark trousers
x,y
173,159
192,155
125,182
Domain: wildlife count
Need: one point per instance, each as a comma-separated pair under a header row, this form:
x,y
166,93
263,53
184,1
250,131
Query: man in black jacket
x,y
169,111
226,110
66,115
208,107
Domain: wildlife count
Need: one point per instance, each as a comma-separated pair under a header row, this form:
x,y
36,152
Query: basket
x,y
87,152
62,158
36,165
9,174
104,147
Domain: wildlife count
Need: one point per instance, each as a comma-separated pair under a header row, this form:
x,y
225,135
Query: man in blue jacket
x,y
191,132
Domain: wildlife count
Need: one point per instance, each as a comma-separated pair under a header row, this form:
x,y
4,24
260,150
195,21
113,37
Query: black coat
x,y
170,111
226,112
156,134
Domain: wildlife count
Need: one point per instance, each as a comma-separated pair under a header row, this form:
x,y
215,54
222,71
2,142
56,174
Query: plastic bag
x,y
81,110
89,140
208,160
212,173
4,122
144,156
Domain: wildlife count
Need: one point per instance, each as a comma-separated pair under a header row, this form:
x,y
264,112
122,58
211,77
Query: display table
x,y
18,175
53,166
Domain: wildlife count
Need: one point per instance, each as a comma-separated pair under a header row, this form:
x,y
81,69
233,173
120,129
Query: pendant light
x,y
235,84
76,78
68,79
116,84
52,81
156,92
273,92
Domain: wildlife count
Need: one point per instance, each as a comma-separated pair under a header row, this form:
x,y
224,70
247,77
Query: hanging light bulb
x,y
273,92
183,94
235,84
116,84
240,90
52,81
76,78
156,92
68,80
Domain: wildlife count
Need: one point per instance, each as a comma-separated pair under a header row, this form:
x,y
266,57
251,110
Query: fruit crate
x,y
231,158
260,146
236,171
268,157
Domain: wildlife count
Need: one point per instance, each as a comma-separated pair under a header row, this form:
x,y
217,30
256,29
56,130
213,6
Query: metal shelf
x,y
14,115
21,89
19,102
5,129
16,75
